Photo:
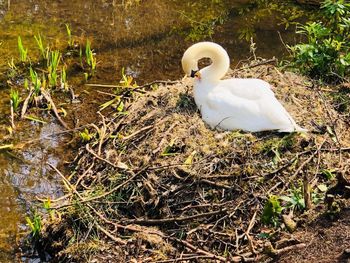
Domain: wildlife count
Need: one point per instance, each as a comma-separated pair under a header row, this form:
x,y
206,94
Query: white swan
x,y
246,104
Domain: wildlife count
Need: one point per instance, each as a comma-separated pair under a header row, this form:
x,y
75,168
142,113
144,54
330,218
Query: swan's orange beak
x,y
198,75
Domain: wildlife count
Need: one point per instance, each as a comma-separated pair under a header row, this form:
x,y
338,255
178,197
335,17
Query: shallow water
x,y
146,38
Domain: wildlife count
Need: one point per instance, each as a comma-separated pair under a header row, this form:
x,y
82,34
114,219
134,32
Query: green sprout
x,y
15,99
53,61
22,51
90,57
34,225
64,84
272,211
35,81
26,84
86,136
13,69
44,51
69,34
81,56
295,199
48,208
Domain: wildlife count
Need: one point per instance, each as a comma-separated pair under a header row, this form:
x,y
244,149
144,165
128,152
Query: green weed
x,y
326,53
47,207
15,99
329,174
26,84
53,61
90,57
34,225
116,102
86,136
127,80
295,199
22,51
44,51
272,210
35,81
277,146
35,119
64,84
81,56
12,69
69,34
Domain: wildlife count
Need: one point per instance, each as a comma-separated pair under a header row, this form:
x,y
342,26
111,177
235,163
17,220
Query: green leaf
x,y
271,211
35,119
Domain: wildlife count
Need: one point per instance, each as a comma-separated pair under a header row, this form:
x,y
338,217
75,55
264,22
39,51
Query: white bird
x,y
229,104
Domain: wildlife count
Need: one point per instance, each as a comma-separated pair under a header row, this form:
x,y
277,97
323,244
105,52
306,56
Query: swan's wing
x,y
266,112
225,101
251,89
275,111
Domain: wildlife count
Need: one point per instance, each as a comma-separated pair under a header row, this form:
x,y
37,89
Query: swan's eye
x,y
193,73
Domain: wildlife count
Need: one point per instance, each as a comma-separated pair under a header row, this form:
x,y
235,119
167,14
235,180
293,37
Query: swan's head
x,y
218,55
189,64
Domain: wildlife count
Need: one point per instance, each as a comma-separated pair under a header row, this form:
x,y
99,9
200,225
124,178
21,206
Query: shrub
x,y
326,53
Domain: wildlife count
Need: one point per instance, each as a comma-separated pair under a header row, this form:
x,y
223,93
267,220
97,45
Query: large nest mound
x,y
162,185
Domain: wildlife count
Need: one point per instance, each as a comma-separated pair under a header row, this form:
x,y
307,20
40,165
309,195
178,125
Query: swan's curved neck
x,y
218,55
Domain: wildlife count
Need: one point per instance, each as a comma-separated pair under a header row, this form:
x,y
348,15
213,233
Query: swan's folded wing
x,y
278,114
251,89
225,101
263,114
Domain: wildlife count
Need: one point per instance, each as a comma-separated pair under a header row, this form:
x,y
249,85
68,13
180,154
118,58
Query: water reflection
x,y
147,39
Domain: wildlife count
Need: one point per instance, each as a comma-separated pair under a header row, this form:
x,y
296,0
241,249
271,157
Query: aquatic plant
x,y
15,99
81,56
125,89
64,84
34,119
326,53
23,52
36,83
43,50
12,69
86,136
34,225
26,84
53,61
69,34
90,57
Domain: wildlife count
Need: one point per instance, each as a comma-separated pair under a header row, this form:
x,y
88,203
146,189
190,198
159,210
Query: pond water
x,y
146,37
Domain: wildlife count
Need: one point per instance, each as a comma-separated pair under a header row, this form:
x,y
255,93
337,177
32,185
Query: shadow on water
x,y
147,38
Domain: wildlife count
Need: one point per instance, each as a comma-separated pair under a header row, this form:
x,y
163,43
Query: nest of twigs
x,y
158,185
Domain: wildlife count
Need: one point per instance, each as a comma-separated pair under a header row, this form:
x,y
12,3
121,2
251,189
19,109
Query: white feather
x,y
246,104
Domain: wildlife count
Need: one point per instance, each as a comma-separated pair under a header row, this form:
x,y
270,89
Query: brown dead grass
x,y
161,186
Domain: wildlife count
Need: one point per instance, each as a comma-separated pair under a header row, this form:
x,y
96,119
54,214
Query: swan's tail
x,y
294,128
297,128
